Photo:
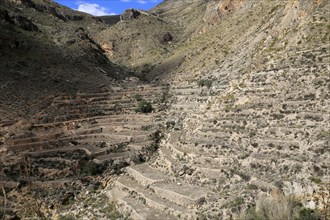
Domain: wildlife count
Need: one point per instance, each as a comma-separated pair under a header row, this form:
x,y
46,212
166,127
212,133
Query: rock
x,y
132,79
170,124
45,8
18,20
25,23
200,201
130,14
185,170
189,171
311,204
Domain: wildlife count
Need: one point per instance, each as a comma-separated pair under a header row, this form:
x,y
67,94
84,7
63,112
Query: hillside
x,y
47,49
195,110
250,111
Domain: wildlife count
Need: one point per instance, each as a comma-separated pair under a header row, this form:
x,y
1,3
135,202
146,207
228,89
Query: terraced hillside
x,y
232,119
66,147
250,117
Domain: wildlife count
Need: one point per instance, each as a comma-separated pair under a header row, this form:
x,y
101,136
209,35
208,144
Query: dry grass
x,y
279,208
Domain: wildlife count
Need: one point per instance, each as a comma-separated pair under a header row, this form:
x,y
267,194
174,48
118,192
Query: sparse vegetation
x,y
279,207
138,97
324,135
67,217
90,168
205,82
249,110
112,212
144,107
117,106
315,180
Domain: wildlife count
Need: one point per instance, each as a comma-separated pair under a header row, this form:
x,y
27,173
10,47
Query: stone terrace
x,y
77,137
243,136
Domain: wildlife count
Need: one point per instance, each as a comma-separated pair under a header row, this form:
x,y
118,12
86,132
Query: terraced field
x,y
240,113
224,149
239,131
74,139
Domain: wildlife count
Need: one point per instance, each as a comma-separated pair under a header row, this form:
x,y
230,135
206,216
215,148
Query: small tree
x,y
144,107
205,82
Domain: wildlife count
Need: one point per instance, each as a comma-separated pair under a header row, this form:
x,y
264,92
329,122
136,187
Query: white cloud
x,y
94,9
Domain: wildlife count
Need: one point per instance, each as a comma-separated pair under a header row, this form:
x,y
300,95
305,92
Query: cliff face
x,y
239,91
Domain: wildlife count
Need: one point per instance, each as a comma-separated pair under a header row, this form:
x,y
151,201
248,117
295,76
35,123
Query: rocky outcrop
x,y
130,14
46,8
216,9
108,48
17,20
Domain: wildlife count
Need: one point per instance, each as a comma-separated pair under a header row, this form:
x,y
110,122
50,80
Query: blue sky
x,y
108,7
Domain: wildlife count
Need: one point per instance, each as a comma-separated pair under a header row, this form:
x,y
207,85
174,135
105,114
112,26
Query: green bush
x,y
90,168
67,217
308,214
238,201
205,82
316,180
144,107
138,97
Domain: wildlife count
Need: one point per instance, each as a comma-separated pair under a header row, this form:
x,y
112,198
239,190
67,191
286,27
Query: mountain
x,y
196,109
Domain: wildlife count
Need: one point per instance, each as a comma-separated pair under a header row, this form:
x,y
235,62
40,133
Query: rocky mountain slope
x,y
249,113
47,49
239,91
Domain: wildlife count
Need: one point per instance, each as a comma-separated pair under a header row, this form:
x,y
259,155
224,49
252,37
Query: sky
x,y
108,7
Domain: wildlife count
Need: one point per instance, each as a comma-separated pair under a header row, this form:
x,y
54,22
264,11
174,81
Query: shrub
x,y
308,214
138,97
112,211
117,106
90,168
316,180
238,201
281,207
67,217
205,82
144,107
